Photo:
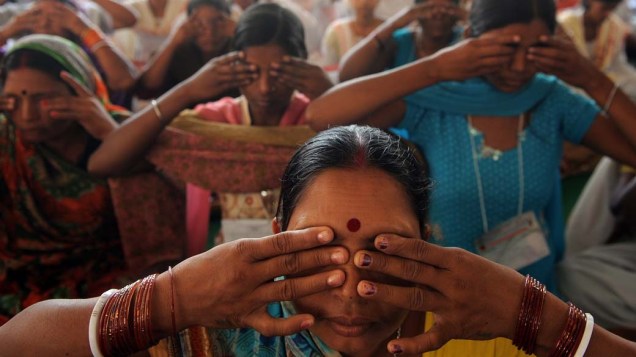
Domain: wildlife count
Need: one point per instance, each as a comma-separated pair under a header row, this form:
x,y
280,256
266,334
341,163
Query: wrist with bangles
x,y
575,336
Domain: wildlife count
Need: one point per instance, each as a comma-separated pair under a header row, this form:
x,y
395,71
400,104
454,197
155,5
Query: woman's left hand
x,y
301,75
557,55
84,108
470,296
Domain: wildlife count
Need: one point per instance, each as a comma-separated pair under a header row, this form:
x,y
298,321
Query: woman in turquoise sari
x,y
492,127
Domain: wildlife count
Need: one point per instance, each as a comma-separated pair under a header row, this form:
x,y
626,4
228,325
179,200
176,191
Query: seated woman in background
x,y
205,34
357,278
58,233
276,85
393,44
342,34
599,35
64,19
492,129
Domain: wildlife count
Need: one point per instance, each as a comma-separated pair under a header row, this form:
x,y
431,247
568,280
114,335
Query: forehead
x,y
207,12
373,197
264,55
32,81
528,32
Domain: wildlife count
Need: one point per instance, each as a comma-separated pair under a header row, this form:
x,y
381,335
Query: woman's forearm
x,y
371,55
153,77
119,72
352,101
126,146
123,15
55,327
620,109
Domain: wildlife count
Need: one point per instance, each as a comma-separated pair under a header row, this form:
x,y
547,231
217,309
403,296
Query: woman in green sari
x,y
58,233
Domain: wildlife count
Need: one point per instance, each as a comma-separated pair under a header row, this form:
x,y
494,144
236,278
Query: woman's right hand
x,y
221,74
474,57
232,284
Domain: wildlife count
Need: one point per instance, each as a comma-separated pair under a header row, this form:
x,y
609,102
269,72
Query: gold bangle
x,y
155,108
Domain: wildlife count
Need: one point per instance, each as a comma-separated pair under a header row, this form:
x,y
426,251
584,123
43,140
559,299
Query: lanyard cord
x,y
480,187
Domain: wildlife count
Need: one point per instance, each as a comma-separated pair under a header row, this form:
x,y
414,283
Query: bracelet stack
x,y
576,334
121,321
93,39
572,334
529,321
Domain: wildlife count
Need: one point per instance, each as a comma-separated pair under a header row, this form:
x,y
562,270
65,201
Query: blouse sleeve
x,y
579,112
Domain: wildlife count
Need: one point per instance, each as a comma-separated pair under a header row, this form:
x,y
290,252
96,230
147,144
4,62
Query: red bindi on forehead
x,y
353,225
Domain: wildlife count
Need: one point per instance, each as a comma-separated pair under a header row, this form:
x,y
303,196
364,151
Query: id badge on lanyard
x,y
516,243
519,241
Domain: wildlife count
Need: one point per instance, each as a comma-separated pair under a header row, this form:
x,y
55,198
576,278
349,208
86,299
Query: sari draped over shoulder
x,y
58,233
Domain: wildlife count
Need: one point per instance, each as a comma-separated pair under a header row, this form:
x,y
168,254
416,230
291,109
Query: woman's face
x,y
345,321
439,26
213,30
29,89
519,71
364,8
598,10
265,95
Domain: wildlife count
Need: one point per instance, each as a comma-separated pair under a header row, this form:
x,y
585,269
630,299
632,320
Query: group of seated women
x,y
378,248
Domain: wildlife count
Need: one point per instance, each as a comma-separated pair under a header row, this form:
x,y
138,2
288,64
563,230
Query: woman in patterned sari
x,y
58,233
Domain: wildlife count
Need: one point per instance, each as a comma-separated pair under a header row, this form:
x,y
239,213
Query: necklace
x,y
476,156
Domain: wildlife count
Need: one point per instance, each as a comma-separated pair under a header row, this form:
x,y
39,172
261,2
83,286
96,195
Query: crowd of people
x,y
317,177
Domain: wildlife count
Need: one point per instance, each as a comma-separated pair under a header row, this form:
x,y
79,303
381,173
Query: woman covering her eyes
x,y
347,290
491,114
58,235
276,83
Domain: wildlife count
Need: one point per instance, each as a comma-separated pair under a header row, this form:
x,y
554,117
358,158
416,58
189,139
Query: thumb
x,y
430,340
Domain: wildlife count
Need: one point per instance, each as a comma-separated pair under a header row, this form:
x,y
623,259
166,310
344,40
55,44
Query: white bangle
x,y
610,99
92,325
587,335
155,108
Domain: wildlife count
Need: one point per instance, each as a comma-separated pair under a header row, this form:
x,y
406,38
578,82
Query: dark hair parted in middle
x,y
220,5
354,147
265,24
486,15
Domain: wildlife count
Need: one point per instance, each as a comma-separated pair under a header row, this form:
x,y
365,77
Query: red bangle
x,y
572,333
175,346
90,37
529,319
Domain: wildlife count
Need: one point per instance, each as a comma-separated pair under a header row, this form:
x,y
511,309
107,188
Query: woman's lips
x,y
350,327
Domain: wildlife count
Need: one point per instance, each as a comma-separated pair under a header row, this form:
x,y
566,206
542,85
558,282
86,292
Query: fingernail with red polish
x,y
368,289
365,260
383,243
306,324
396,349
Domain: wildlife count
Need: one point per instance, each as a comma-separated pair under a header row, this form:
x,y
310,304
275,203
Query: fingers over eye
x,y
295,263
294,288
283,243
405,269
412,248
415,298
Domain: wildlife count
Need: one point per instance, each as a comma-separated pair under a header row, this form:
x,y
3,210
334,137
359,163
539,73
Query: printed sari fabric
x,y
58,233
